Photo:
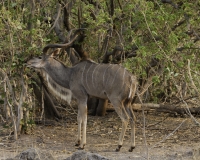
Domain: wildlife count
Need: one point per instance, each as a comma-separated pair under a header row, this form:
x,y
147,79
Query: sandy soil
x,y
167,138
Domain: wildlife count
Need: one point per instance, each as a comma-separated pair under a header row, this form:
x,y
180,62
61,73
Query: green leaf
x,y
14,4
155,80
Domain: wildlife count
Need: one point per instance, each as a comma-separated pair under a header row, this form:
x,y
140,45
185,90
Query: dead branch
x,y
169,135
67,10
20,109
191,79
170,2
178,24
56,20
166,108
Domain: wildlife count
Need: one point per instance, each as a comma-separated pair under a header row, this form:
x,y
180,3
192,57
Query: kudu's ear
x,y
55,53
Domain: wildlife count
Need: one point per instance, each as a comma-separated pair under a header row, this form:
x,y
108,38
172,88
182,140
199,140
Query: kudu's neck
x,y
58,72
57,76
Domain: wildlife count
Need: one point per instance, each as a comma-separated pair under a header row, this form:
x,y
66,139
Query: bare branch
x,y
20,109
169,135
191,79
57,18
170,2
184,48
30,24
178,24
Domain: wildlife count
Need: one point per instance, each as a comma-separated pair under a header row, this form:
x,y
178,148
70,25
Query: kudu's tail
x,y
133,89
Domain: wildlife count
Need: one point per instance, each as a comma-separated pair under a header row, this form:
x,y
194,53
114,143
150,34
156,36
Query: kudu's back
x,y
104,80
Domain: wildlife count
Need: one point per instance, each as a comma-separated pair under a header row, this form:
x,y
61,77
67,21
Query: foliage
x,y
168,32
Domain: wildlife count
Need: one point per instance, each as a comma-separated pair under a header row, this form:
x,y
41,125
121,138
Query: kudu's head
x,y
45,59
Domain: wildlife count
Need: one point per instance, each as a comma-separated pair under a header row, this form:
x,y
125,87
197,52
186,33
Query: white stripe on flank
x,y
123,77
104,74
87,77
115,77
93,76
58,90
109,74
83,72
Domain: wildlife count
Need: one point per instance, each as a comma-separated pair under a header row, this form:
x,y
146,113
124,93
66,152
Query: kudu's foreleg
x,y
82,122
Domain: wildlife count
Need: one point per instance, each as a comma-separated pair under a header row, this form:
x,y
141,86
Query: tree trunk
x,y
101,108
92,103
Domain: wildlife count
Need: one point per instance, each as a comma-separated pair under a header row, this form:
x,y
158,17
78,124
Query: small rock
x,y
32,154
86,156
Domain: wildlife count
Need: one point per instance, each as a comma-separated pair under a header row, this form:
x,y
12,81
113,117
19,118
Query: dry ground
x,y
163,141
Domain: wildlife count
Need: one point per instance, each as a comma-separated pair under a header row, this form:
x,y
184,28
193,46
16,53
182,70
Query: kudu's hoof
x,y
131,149
118,148
80,148
78,144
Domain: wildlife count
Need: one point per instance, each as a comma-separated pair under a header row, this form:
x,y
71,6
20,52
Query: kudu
x,y
87,78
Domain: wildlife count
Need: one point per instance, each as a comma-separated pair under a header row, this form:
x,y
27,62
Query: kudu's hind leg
x,y
132,124
119,108
82,120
